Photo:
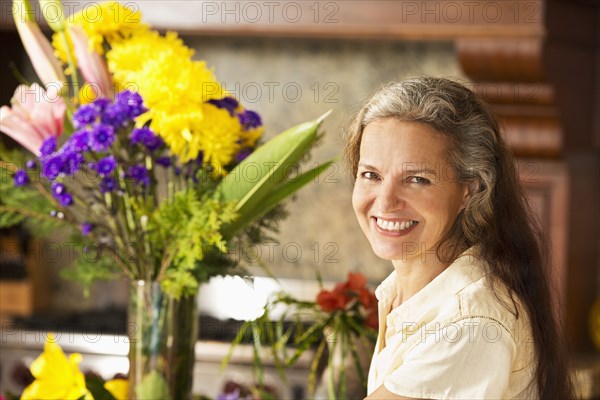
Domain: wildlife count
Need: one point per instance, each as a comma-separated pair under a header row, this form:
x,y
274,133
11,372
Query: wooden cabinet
x,y
24,285
546,188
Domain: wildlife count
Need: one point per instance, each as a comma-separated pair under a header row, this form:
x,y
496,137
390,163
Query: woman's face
x,y
406,196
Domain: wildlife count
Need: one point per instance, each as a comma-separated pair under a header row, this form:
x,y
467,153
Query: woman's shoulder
x,y
491,304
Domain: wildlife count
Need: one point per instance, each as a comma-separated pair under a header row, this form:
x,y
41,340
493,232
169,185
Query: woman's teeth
x,y
395,226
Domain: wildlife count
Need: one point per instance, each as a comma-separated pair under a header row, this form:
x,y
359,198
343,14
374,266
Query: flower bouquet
x,y
340,326
141,153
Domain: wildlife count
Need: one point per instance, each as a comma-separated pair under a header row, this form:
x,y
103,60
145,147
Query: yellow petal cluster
x,y
175,89
56,376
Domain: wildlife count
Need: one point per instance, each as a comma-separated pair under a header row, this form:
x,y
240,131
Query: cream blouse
x,y
453,340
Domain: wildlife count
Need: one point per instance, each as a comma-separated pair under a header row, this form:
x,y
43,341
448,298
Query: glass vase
x,y
162,331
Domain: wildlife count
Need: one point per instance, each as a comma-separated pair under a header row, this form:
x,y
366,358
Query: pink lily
x,y
35,116
39,50
92,66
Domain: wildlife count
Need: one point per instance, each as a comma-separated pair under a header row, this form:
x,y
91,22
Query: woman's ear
x,y
471,188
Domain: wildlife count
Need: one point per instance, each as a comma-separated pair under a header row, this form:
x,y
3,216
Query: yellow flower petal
x,y
56,377
118,388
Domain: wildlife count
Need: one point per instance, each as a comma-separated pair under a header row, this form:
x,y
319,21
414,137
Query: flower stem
x,y
72,68
33,214
312,376
331,369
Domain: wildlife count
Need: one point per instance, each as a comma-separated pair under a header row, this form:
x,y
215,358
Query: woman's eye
x,y
368,175
419,180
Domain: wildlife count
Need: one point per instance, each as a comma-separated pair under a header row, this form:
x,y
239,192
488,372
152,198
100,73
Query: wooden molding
x,y
501,59
387,19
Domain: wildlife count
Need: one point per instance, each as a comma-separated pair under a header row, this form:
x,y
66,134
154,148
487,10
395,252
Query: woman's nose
x,y
391,197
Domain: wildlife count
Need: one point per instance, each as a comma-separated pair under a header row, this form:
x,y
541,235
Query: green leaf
x,y
236,341
280,152
8,218
96,387
153,387
272,160
276,196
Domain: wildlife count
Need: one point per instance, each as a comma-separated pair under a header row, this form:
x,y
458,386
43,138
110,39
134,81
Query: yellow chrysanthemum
x,y
218,136
145,51
56,377
203,128
174,88
162,70
60,47
175,127
250,137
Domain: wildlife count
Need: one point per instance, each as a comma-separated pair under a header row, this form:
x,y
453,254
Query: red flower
x,y
367,298
356,280
345,292
331,301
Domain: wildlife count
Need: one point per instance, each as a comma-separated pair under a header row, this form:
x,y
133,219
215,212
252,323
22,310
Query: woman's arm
x,y
383,394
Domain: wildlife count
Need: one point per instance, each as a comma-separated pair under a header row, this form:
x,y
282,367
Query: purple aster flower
x,y
138,134
30,164
228,103
164,161
243,153
52,166
86,228
235,395
85,115
147,137
58,189
102,137
48,146
21,178
177,171
105,166
79,141
72,160
107,184
65,200
250,119
133,103
116,115
101,104
139,174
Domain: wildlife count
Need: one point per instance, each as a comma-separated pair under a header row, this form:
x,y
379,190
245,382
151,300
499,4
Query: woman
x,y
467,312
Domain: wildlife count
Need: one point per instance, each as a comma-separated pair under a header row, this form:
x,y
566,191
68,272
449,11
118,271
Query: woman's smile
x,y
394,227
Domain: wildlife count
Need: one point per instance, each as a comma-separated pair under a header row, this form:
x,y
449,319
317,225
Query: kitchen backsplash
x,y
292,80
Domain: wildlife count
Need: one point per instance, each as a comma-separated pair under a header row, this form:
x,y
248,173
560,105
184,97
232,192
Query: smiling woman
x,y
465,313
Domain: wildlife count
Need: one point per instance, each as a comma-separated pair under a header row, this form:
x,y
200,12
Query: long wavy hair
x,y
497,218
